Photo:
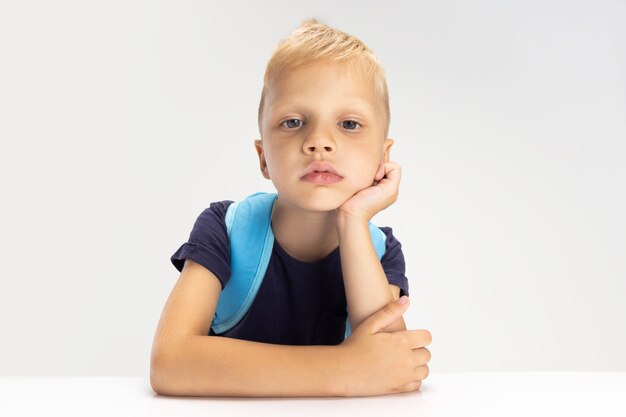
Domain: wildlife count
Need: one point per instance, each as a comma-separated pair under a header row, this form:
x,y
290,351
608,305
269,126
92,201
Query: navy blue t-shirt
x,y
298,303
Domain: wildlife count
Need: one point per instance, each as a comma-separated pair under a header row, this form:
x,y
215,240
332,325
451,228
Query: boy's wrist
x,y
345,219
340,384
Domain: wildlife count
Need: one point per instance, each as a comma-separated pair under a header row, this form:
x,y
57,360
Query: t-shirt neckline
x,y
290,259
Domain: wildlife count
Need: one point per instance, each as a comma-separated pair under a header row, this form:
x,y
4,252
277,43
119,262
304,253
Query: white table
x,y
528,394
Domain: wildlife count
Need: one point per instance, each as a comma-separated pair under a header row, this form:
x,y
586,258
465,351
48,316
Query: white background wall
x,y
120,121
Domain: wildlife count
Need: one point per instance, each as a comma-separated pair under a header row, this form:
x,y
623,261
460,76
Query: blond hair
x,y
314,41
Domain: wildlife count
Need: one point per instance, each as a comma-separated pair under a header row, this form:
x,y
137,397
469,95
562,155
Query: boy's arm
x,y
221,366
187,362
367,287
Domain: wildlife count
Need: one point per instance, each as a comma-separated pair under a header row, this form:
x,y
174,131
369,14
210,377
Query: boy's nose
x,y
319,143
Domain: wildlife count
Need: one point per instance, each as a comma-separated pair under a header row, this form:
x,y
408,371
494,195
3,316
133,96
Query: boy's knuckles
x,y
387,309
402,339
427,355
427,338
412,386
420,338
422,371
408,363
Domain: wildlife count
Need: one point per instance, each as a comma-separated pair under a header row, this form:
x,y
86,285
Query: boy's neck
x,y
305,235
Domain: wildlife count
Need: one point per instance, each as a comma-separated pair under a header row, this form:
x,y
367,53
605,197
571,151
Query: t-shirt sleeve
x,y
208,243
393,262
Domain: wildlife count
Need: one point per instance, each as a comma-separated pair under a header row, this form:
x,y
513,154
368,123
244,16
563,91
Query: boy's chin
x,y
321,201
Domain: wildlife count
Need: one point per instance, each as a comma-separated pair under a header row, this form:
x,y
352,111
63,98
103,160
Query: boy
x,y
323,119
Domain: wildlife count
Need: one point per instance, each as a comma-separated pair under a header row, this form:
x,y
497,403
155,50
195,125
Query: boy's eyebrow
x,y
360,106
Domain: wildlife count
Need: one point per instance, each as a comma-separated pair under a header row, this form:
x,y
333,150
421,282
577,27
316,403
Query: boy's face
x,y
328,113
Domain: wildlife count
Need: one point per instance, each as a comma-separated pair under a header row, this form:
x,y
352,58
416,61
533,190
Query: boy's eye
x,y
288,124
351,124
294,123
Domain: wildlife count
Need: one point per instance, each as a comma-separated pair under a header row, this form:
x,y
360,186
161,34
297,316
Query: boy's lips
x,y
321,167
321,178
321,173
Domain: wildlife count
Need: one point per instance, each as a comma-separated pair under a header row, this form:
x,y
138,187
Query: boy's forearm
x,y
365,282
221,366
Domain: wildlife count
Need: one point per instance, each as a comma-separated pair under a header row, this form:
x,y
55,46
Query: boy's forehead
x,y
349,88
348,103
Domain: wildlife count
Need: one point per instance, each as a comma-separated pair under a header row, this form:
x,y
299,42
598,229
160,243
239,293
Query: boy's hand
x,y
381,194
379,363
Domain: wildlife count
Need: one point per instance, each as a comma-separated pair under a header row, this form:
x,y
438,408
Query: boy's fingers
x,y
419,338
421,356
385,316
378,176
393,170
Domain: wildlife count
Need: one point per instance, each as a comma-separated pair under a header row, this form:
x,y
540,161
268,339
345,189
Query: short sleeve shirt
x,y
298,303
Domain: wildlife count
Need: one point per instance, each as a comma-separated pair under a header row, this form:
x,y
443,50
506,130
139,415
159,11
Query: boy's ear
x,y
387,149
258,144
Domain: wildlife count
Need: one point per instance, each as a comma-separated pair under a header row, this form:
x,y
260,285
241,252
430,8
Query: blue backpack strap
x,y
379,239
251,237
251,242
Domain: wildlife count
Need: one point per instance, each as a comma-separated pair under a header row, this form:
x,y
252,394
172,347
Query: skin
x,y
328,112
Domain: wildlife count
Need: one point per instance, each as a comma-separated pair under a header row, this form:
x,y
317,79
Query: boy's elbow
x,y
158,379
155,383
155,375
